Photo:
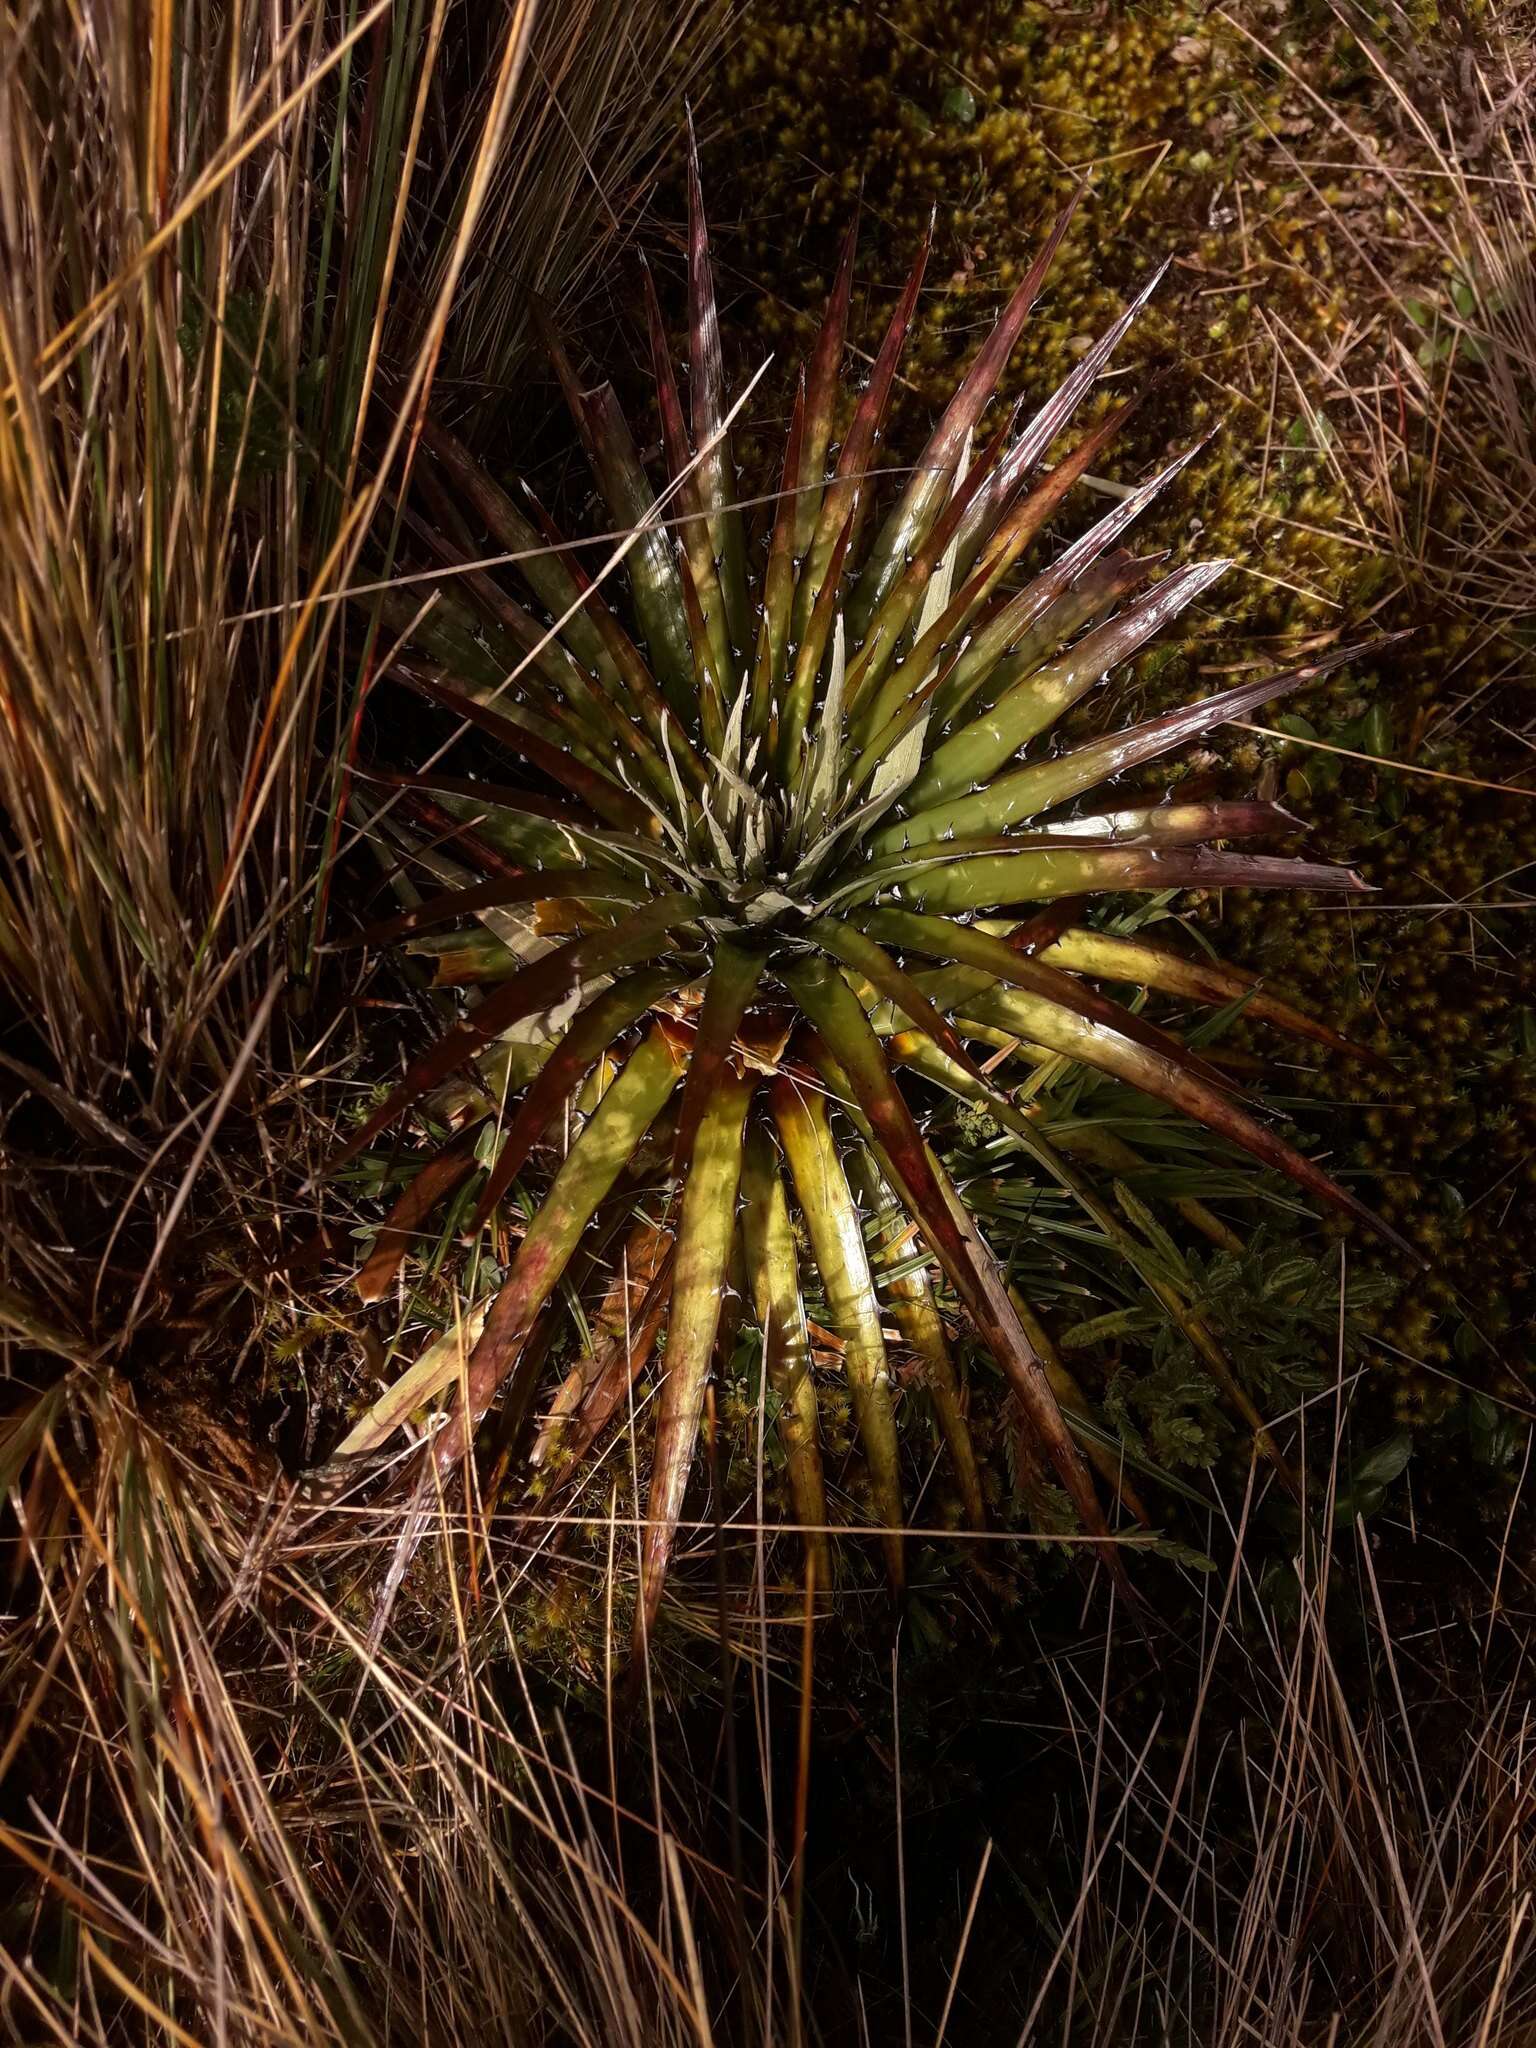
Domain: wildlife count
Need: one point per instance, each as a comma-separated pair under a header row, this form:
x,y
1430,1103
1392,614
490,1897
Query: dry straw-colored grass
x,y
223,232
254,1827
239,248
1433,385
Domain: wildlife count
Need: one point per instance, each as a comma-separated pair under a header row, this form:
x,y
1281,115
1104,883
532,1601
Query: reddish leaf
x,y
435,1181
606,799
594,1030
539,986
838,1016
553,885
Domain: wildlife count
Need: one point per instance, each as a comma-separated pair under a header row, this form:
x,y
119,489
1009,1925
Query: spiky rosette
x,y
739,880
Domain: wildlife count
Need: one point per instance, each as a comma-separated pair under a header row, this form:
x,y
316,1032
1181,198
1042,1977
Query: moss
x,y
1160,110
1446,1132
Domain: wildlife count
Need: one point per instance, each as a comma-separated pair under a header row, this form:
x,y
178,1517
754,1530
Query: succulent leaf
x,y
908,1293
589,1170
836,1232
774,1276
704,1240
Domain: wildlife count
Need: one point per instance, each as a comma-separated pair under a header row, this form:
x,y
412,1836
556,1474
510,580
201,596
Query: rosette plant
x,y
789,813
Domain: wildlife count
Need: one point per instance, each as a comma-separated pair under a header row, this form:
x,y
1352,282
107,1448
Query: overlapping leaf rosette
x,y
790,841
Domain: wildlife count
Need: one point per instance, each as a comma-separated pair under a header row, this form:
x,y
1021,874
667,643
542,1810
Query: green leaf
x,y
733,981
773,1268
836,1232
1174,1552
1376,730
857,1062
1292,723
704,1240
542,985
1370,1476
587,1174
981,747
1494,1433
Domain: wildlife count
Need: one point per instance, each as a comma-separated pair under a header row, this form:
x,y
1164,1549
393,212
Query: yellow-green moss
x,y
1163,110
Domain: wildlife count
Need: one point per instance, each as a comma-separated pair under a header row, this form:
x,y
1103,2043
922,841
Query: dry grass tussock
x,y
232,1818
239,249
223,232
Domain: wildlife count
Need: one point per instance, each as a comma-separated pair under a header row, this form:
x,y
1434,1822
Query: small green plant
x,y
790,802
1274,1307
